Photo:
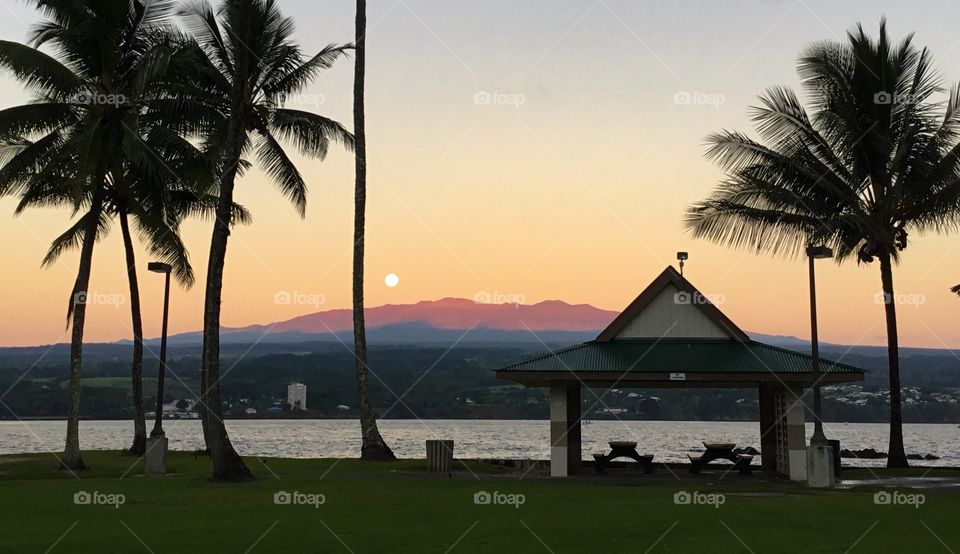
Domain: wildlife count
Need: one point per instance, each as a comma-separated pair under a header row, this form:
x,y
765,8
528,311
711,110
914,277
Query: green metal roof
x,y
677,355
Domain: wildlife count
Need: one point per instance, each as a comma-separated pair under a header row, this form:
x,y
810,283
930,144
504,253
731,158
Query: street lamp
x,y
160,267
682,257
816,253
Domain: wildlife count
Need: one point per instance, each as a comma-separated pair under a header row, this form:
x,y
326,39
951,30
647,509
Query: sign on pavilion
x,y
672,336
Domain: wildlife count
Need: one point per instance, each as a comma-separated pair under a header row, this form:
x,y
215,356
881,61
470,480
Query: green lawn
x,y
398,507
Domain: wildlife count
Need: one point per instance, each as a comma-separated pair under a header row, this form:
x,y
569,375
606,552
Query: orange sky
x,y
570,183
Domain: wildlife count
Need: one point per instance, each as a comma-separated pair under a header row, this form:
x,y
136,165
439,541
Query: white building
x,y
297,396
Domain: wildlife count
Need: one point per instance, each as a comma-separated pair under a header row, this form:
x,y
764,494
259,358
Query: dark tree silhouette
x,y
372,447
247,67
875,158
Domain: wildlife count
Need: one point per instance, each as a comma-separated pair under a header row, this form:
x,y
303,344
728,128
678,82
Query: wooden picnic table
x,y
623,449
720,451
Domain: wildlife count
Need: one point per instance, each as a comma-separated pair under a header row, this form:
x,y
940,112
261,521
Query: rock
x,y
747,451
922,457
864,454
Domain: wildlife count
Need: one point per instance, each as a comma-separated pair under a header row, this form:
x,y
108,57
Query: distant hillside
x,y
434,321
449,320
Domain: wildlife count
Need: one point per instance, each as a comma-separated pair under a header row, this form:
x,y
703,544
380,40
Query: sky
x,y
527,151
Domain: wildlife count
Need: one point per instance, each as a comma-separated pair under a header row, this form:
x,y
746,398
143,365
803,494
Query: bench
x,y
720,451
743,464
623,449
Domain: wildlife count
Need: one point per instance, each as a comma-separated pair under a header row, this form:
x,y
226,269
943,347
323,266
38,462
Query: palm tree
x,y
241,84
158,201
874,159
955,289
78,127
372,447
158,196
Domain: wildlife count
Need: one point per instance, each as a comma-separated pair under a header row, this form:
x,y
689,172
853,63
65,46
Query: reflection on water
x,y
669,441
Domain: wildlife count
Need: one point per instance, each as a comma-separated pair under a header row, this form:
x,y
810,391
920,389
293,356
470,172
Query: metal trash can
x,y
439,455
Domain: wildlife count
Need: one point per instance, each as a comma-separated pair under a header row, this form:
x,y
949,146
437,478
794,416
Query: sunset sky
x,y
539,149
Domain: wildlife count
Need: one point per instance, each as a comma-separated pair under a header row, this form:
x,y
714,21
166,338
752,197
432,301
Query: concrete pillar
x,y
565,448
769,449
820,466
155,457
795,419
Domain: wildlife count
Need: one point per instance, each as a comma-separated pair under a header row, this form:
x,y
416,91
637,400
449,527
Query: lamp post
x,y
159,267
816,253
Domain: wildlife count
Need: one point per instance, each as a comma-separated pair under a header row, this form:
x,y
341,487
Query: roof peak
x,y
687,299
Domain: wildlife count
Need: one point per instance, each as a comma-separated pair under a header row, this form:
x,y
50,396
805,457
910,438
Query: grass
x,y
102,382
398,507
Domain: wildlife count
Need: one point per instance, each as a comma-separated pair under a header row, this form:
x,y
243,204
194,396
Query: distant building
x,y
297,396
250,411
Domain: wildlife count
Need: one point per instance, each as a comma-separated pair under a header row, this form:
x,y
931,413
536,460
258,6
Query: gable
x,y
670,307
670,315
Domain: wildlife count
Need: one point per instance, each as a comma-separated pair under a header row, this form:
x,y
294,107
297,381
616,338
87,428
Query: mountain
x,y
449,320
437,321
453,313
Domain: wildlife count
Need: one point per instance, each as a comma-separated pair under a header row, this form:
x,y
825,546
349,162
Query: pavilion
x,y
672,336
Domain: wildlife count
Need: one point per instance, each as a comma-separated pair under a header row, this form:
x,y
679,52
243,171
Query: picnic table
x,y
720,451
623,449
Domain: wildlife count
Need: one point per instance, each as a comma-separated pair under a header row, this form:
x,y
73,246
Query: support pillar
x,y
768,426
565,450
795,419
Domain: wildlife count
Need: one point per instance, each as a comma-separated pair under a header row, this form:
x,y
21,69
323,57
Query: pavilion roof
x,y
711,359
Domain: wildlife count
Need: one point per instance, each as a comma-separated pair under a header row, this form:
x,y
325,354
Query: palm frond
x,y
275,163
38,71
309,132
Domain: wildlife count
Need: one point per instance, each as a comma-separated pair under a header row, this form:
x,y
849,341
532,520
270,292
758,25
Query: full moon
x,y
391,280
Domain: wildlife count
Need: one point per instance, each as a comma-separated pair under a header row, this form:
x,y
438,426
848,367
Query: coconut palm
x,y
873,158
955,289
250,66
372,446
82,122
158,199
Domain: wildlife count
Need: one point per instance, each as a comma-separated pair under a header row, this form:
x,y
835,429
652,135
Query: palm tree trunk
x,y
136,367
372,446
227,464
72,459
897,457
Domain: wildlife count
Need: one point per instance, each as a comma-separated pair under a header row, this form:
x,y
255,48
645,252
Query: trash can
x,y
439,455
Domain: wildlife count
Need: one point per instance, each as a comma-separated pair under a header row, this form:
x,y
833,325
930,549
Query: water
x,y
669,441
